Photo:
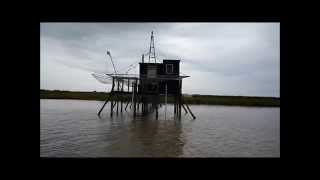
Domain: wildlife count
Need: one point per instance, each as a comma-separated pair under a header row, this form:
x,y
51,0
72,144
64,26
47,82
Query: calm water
x,y
71,128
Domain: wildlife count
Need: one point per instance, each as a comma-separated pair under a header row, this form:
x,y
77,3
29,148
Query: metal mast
x,y
152,51
108,52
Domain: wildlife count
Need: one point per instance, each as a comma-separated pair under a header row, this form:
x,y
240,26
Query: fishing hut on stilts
x,y
146,92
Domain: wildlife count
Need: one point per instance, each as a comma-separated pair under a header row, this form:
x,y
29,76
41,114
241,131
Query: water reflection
x,y
144,136
71,128
158,137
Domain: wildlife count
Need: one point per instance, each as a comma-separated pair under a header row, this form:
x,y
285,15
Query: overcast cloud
x,y
221,58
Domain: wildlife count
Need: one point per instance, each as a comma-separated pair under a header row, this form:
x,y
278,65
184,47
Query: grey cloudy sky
x,y
221,58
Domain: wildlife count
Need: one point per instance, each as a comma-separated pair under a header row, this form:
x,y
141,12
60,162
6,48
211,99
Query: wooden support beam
x,y
111,108
111,103
185,110
128,85
194,117
110,95
122,82
174,105
156,111
117,101
165,108
132,95
134,98
105,103
180,98
127,105
142,106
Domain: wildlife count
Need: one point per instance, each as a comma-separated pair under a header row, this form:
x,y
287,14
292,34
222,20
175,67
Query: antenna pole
x,y
152,51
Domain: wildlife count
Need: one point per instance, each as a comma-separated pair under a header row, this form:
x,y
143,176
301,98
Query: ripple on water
x,y
71,128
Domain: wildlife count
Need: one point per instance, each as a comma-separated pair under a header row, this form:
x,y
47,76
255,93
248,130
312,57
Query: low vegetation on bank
x,y
190,99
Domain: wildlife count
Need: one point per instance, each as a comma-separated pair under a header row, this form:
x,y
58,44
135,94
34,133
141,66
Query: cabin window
x,y
169,68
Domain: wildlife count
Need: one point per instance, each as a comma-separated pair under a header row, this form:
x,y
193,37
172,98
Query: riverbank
x,y
190,99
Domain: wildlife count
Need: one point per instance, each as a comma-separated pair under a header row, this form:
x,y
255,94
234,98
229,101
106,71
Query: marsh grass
x,y
194,99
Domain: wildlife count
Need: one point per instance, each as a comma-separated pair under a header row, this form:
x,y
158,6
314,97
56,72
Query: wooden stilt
x,y
109,97
174,105
189,110
165,108
111,108
117,100
122,82
185,110
128,85
156,111
117,103
180,95
111,104
127,105
134,98
143,107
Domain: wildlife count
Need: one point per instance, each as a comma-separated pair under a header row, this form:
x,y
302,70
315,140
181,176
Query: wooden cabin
x,y
154,77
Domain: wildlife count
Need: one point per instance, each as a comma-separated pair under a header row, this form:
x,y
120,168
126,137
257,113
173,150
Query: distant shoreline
x,y
190,99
